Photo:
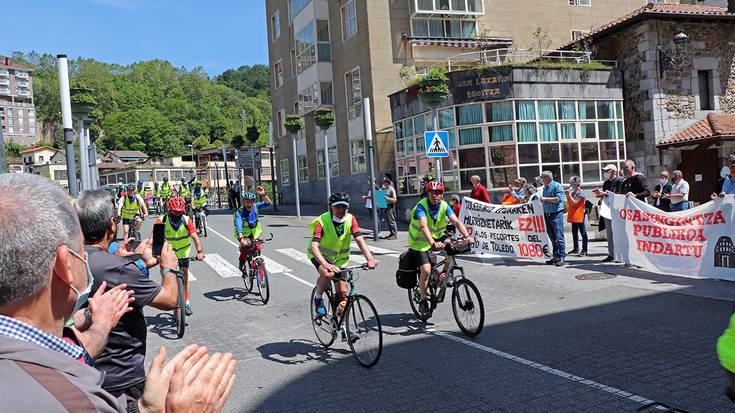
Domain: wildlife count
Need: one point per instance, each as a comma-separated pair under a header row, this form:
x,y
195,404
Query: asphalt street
x,y
584,338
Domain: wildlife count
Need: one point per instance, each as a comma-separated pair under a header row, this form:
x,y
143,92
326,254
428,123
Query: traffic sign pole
x,y
438,160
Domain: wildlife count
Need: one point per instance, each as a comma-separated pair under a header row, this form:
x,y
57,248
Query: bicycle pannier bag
x,y
406,275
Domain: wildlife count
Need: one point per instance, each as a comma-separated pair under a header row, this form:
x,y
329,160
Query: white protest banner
x,y
507,230
694,243
605,206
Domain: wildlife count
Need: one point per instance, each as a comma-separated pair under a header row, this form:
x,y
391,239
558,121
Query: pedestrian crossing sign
x,y
436,143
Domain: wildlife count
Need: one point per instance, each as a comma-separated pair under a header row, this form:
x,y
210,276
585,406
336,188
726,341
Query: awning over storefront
x,y
708,131
460,43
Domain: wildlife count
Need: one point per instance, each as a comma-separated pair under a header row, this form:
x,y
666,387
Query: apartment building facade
x,y
17,111
338,52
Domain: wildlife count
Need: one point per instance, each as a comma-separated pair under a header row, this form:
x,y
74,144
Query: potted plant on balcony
x,y
433,88
293,123
324,117
83,102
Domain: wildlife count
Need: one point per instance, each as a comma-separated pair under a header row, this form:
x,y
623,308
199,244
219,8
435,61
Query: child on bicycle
x,y
429,220
247,223
329,250
179,228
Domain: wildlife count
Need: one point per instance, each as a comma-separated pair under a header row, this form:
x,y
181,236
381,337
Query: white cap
x,y
610,167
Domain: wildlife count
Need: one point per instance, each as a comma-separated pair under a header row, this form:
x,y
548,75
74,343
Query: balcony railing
x,y
447,7
24,92
510,56
21,75
20,83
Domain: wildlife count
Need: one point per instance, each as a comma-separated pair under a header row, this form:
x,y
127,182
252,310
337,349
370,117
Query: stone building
x,y
677,65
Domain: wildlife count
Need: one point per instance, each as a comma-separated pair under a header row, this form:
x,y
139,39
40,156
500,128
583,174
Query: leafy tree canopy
x,y
153,106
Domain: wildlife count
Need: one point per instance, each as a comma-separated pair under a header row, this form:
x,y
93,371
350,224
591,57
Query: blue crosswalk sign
x,y
436,143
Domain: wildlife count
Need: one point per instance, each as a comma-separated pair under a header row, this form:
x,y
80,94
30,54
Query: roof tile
x,y
713,126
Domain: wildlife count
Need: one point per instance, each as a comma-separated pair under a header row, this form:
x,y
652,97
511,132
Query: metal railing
x,y
509,56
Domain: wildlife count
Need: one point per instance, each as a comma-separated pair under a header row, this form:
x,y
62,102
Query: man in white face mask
x,y
44,278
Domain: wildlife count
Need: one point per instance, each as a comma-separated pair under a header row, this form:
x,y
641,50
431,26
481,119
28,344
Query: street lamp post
x,y
293,125
371,164
193,168
71,164
324,118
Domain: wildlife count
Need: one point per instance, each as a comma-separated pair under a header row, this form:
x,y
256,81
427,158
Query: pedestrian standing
x,y
455,203
727,184
662,189
479,192
576,215
369,200
634,184
611,186
237,195
679,195
553,200
391,200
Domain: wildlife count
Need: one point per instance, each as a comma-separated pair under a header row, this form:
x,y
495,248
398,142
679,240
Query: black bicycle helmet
x,y
339,198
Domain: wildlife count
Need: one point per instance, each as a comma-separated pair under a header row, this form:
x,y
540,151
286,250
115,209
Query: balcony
x,y
4,73
24,92
547,59
21,75
443,8
4,82
20,83
4,90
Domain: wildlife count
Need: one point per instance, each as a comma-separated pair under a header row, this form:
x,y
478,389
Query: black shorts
x,y
130,221
183,262
342,276
419,257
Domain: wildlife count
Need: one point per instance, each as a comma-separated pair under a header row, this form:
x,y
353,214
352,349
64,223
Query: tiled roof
x,y
712,127
40,148
656,10
129,154
8,63
114,165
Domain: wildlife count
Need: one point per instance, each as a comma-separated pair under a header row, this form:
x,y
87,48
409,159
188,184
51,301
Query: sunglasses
x,y
437,193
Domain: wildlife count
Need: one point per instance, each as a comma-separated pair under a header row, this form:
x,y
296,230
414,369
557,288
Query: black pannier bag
x,y
406,276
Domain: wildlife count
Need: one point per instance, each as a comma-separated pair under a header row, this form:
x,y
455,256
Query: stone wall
x,y
657,107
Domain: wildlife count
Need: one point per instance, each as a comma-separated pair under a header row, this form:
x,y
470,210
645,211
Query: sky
x,y
216,34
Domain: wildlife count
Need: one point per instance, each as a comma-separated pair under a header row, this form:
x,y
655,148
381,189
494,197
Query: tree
x,y
250,80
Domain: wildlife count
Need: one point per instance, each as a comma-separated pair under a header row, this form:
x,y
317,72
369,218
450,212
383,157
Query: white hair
x,y
36,217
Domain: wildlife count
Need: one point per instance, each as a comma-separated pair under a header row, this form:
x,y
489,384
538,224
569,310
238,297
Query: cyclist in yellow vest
x,y
329,250
132,209
429,220
199,196
184,189
247,222
726,354
165,194
179,228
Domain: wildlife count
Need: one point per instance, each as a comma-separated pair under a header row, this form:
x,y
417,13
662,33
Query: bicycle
x,y
179,315
252,263
133,231
447,273
200,221
359,321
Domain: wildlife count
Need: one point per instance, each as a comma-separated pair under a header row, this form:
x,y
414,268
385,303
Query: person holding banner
x,y
727,184
576,216
429,220
553,201
611,185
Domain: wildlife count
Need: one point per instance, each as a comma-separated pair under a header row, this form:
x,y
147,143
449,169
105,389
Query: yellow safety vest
x,y
130,208
201,200
416,239
179,239
726,347
165,190
254,233
184,190
334,248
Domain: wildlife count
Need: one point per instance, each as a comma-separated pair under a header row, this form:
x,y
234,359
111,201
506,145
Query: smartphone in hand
x,y
159,237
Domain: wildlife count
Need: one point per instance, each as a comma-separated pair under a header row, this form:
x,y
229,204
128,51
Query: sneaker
x,y
187,309
392,237
560,263
353,337
573,252
319,309
582,253
609,259
551,262
424,307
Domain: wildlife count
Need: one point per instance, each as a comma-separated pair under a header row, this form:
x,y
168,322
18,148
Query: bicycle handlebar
x,y
357,267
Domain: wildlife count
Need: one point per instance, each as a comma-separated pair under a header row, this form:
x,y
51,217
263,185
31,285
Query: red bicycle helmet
x,y
434,186
176,206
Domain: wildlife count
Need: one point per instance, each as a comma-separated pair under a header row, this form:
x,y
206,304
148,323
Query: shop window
x,y
547,130
499,112
527,132
446,118
569,171
547,110
529,172
464,178
589,152
588,131
619,109
502,133
621,150
606,129
570,152
555,169
620,130
591,172
472,136
469,114
408,127
398,130
605,110
525,110
502,177
550,153
567,110
419,123
587,110
502,155
568,131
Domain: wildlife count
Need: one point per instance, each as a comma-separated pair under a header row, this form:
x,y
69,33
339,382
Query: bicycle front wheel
x,y
469,312
364,332
204,225
324,326
179,313
261,278
247,276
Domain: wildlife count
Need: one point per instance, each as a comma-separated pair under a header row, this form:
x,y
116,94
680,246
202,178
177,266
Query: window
x,y
580,2
469,114
280,118
278,74
324,49
284,172
309,98
357,156
326,97
444,28
333,163
40,159
353,86
457,6
276,25
305,46
578,34
705,90
60,175
293,63
295,6
349,20
303,168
